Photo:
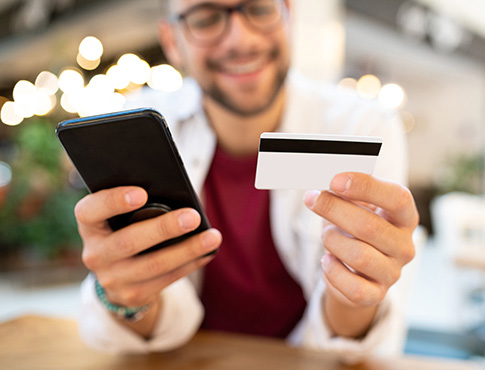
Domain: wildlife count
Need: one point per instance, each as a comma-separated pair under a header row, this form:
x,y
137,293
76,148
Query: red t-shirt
x,y
245,288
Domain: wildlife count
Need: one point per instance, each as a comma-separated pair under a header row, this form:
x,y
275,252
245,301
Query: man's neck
x,y
239,135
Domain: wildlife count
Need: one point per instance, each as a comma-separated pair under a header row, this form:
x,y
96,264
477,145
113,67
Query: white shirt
x,y
311,108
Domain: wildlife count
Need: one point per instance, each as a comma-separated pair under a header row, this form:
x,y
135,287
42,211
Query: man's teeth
x,y
244,68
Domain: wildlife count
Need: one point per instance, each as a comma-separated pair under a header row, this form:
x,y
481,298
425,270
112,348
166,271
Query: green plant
x,y
37,212
463,173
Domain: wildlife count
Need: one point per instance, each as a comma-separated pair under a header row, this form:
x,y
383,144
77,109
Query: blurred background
x,y
424,58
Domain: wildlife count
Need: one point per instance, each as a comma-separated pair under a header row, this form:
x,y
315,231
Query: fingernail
x,y
341,183
210,239
187,220
325,261
310,198
135,197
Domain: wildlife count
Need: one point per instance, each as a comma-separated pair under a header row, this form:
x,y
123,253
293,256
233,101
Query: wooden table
x,y
41,343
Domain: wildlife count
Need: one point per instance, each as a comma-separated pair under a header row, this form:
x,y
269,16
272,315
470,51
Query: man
x,y
314,268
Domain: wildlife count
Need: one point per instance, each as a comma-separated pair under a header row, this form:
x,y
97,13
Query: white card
x,y
310,161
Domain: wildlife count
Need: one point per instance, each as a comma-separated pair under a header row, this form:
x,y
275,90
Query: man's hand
x,y
132,280
368,238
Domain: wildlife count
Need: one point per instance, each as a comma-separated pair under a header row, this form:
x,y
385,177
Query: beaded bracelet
x,y
132,314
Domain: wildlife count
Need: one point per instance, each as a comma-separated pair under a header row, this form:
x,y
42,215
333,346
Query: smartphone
x,y
133,147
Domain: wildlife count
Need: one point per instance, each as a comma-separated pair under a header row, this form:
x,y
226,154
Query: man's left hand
x,y
368,236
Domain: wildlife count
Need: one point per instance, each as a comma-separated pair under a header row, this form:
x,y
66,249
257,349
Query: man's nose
x,y
239,30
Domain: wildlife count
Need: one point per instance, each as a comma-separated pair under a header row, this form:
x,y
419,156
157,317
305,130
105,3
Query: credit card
x,y
310,161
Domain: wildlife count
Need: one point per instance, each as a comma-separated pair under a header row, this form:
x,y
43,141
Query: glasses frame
x,y
229,10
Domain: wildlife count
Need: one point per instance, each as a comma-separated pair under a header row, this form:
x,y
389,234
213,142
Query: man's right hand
x,y
129,279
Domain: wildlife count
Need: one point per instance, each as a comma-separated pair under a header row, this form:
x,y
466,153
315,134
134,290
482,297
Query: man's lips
x,y
240,65
243,68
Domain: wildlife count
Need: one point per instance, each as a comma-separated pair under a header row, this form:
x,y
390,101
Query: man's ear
x,y
167,38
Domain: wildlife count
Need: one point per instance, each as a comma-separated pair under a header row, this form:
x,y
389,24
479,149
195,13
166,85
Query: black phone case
x,y
132,147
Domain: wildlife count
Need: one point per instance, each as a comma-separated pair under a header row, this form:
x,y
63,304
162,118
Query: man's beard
x,y
223,99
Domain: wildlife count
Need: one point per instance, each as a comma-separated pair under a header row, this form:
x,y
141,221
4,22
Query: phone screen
x,y
129,148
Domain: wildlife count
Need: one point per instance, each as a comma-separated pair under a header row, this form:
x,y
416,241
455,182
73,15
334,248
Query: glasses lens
x,y
264,14
206,23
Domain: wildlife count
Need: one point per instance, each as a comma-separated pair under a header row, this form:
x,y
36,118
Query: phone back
x,y
130,148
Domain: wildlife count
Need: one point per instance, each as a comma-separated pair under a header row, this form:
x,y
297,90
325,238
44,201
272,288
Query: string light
x,y
136,69
44,103
91,48
70,81
87,64
25,99
348,83
391,96
9,115
409,120
368,86
118,79
67,103
48,82
165,78
96,97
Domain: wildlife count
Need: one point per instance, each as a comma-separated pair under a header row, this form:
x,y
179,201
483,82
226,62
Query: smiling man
x,y
314,268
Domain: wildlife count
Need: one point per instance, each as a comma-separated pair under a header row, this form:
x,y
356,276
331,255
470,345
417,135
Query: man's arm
x,y
133,280
368,241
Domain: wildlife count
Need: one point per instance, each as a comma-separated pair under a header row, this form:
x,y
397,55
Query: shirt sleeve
x,y
182,313
385,337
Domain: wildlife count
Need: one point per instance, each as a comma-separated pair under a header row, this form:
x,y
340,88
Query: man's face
x,y
245,70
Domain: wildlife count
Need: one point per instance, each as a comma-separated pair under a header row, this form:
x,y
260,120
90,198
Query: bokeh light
x,y
348,82
25,96
87,64
5,174
118,79
71,80
44,103
102,84
23,89
9,115
391,96
48,82
91,48
67,103
134,68
368,86
409,120
104,93
141,73
165,78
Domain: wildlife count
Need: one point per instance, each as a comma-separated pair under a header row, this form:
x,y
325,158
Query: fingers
x,y
361,257
394,198
165,260
389,228
93,210
139,236
130,279
131,240
356,289
359,222
141,293
372,237
138,280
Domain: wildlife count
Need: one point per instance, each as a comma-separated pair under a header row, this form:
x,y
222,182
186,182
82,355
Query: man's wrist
x,y
132,314
346,321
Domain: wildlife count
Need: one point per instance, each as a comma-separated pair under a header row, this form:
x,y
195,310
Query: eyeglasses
x,y
207,23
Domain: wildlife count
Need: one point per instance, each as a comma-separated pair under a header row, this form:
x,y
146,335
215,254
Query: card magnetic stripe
x,y
319,146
